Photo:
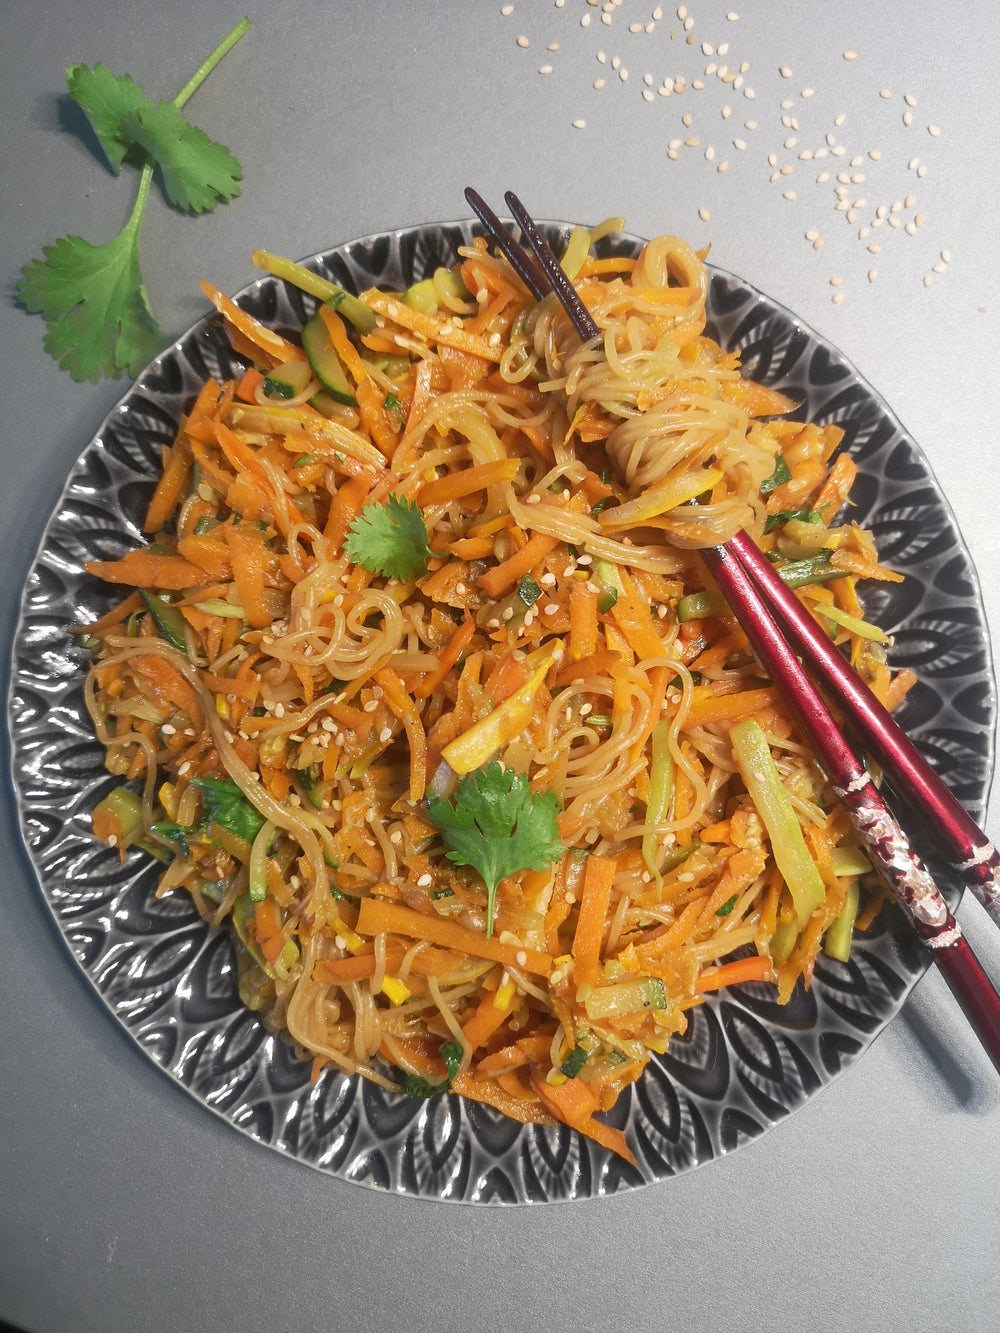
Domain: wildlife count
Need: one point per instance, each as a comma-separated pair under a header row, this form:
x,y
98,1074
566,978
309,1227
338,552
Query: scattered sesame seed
x,y
907,118
623,75
939,267
785,71
927,279
733,17
424,881
837,298
552,46
704,214
545,69
808,92
507,10
836,282
789,194
872,274
385,734
946,256
909,99
709,153
885,93
722,167
934,131
818,243
523,42
850,55
579,124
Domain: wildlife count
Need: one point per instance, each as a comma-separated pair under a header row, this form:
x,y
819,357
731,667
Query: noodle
x,y
297,712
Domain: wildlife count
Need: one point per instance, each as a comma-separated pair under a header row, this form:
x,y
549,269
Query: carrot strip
x,y
345,349
148,569
345,506
588,939
631,614
376,917
247,388
441,332
574,1104
583,624
405,709
837,487
447,658
488,1018
503,576
270,936
456,485
248,573
168,488
730,707
276,347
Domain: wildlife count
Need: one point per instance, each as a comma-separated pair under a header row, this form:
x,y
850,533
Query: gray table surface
x,y
123,1204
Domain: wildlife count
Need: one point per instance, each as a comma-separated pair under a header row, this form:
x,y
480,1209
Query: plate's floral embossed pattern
x,y
744,1064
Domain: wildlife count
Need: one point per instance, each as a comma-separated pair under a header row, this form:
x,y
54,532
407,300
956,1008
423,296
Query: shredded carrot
x,y
375,917
447,658
457,485
503,576
168,488
588,938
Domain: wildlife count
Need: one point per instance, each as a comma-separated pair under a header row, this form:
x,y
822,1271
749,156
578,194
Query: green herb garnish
x,y
498,826
389,539
92,297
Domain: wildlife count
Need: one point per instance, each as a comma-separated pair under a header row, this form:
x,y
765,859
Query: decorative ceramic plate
x,y
745,1062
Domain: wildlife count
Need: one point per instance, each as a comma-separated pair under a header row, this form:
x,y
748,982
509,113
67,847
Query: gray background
x,y
123,1204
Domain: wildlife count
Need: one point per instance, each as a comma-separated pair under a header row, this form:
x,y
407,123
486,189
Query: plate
x,y
744,1064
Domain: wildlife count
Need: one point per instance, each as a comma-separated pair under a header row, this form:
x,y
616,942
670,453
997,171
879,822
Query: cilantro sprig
x,y
498,826
92,297
389,539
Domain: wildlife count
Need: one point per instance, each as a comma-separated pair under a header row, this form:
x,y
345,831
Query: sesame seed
x,y
523,42
385,734
811,235
789,194
552,46
875,154
545,69
507,11
850,55
424,881
623,75
837,298
885,93
909,99
579,124
927,279
709,154
785,71
740,144
704,214
872,274
836,282
946,256
907,118
934,131
939,267
808,92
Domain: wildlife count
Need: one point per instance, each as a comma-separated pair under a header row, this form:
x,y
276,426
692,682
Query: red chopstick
x,y
767,611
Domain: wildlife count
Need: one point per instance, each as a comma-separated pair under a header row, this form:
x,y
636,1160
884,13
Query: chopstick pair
x,y
780,629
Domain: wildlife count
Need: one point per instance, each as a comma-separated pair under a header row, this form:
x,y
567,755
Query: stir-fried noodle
x,y
423,686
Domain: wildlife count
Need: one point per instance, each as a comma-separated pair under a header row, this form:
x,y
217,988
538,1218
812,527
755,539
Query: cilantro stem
x,y
205,69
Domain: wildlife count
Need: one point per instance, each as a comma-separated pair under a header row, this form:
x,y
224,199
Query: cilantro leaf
x,y
498,826
106,98
196,171
389,539
223,803
98,318
416,1086
94,303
